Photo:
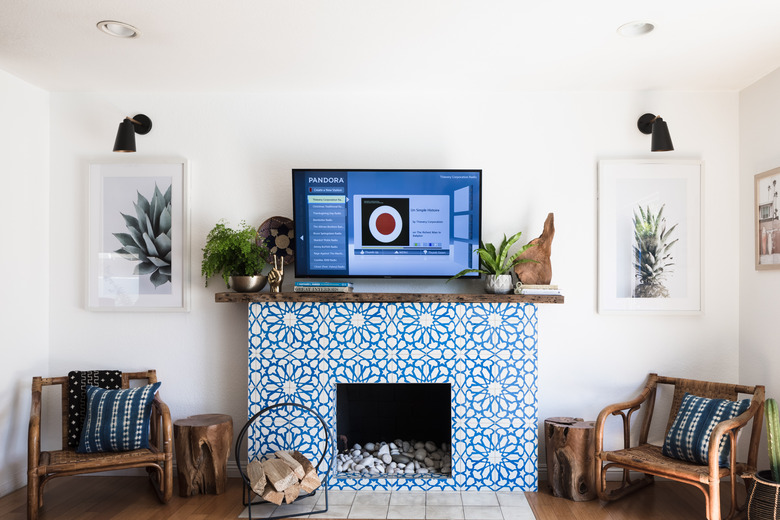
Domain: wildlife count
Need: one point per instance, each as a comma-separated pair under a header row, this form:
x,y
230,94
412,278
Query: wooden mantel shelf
x,y
265,297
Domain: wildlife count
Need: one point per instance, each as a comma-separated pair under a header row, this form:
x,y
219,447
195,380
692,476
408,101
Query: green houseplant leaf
x,y
497,260
232,252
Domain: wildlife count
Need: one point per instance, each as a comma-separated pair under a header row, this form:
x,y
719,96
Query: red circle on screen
x,y
385,223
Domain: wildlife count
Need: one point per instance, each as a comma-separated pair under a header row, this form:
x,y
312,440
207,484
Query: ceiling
x,y
270,45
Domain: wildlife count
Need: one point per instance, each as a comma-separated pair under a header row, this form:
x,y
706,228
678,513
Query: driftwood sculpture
x,y
540,271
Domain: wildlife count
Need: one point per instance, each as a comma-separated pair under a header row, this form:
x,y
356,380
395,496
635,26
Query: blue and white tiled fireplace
x,y
487,352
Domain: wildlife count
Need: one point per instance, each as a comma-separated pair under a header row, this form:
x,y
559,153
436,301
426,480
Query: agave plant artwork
x,y
148,237
653,259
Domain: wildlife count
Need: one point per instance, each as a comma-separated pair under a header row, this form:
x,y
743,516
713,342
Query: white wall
x,y
24,260
539,153
759,151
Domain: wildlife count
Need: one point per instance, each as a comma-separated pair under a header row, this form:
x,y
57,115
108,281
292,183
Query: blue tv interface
x,y
400,223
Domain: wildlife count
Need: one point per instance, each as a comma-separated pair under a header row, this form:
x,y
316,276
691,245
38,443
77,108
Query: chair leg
x,y
33,495
713,501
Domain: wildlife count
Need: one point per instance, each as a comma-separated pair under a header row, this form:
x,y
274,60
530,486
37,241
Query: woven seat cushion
x,y
689,437
77,396
117,420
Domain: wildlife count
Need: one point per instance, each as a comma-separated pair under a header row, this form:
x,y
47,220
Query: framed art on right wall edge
x,y
767,220
649,234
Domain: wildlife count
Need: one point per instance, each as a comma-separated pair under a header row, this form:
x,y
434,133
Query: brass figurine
x,y
275,276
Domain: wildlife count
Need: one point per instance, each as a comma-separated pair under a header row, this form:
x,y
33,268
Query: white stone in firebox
x,y
384,449
420,454
370,446
430,447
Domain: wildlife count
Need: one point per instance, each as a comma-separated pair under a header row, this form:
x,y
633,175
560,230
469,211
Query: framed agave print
x,y
649,236
138,236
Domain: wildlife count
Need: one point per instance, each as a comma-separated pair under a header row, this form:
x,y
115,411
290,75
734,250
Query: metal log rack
x,y
328,448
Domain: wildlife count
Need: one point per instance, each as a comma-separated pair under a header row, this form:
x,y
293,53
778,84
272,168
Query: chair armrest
x,y
34,429
618,409
730,427
161,424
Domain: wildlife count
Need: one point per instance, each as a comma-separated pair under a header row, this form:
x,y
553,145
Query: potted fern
x,y
765,492
496,264
237,255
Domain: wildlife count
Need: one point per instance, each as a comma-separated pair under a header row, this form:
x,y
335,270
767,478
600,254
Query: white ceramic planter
x,y
498,283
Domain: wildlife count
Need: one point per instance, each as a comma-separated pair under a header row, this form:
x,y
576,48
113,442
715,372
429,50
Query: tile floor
x,y
407,505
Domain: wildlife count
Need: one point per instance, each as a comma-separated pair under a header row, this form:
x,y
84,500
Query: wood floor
x,y
131,498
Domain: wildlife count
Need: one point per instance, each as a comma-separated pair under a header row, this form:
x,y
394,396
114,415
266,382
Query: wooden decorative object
x,y
202,449
539,272
570,455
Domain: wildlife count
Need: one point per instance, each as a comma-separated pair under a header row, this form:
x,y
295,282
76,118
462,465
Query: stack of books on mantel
x,y
529,289
337,287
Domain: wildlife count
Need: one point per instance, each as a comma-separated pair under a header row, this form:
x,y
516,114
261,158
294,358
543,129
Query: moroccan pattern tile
x,y
298,352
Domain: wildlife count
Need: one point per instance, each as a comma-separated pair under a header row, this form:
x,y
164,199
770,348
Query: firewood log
x,y
310,483
279,474
256,474
271,495
291,493
290,461
308,467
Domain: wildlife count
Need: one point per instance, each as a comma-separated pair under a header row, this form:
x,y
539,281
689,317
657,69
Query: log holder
x,y
247,490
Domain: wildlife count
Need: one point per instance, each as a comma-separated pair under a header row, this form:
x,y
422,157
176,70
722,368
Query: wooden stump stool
x,y
570,446
202,449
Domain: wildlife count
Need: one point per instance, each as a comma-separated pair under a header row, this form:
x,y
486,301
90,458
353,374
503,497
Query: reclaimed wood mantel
x,y
266,297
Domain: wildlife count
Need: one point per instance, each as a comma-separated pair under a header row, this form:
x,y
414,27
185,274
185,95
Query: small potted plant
x,y
237,255
497,264
765,492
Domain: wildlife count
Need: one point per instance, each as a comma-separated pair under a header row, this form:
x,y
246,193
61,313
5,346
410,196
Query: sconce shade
x,y
661,141
125,135
652,124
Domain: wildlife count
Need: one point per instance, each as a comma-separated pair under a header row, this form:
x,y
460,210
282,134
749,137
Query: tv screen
x,y
388,223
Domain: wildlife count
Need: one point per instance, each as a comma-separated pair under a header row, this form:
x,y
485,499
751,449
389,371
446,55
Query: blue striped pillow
x,y
117,420
689,437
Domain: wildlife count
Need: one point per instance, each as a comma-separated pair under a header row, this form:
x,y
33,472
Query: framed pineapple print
x,y
649,233
138,236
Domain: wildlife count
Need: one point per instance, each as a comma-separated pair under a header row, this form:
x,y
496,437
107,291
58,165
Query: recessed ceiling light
x,y
637,28
118,29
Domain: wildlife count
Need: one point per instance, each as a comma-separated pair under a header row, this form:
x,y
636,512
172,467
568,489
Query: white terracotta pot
x,y
498,283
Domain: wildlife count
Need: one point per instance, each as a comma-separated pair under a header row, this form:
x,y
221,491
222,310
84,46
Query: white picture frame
x,y
127,199
672,282
767,220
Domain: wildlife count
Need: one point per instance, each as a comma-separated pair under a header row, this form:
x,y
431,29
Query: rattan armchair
x,y
648,458
46,465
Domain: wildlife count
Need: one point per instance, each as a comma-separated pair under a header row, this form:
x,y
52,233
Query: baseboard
x,y
15,480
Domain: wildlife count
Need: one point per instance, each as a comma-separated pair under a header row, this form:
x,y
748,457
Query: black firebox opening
x,y
376,412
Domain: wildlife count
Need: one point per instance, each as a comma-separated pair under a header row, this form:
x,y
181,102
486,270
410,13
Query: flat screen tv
x,y
386,223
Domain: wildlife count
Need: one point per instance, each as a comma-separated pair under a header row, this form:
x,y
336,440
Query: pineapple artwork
x,y
652,252
146,240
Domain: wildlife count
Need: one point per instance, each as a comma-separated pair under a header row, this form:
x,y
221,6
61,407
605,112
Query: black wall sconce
x,y
125,136
652,124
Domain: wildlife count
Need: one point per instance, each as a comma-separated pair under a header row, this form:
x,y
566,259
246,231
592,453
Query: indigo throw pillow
x,y
117,420
689,437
